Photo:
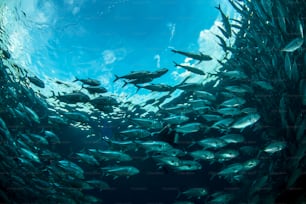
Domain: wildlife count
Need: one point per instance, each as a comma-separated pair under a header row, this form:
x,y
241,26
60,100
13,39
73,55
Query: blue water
x,y
60,43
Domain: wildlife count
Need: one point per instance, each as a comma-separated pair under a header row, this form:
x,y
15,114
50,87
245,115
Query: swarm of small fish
x,y
251,119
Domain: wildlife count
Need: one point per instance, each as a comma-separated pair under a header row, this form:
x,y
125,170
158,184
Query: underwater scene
x,y
152,102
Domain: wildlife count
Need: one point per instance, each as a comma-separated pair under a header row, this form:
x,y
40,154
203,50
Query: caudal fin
x,y
116,78
76,79
173,50
218,7
176,64
124,84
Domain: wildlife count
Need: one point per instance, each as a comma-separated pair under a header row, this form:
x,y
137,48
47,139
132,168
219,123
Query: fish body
x,y
88,81
134,75
275,146
195,193
200,57
135,133
95,89
225,22
202,155
189,128
176,119
36,81
117,171
214,143
246,121
293,45
86,158
74,97
148,123
191,69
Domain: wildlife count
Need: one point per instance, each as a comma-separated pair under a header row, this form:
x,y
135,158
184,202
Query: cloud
x,y
39,12
208,44
157,58
109,57
171,27
75,10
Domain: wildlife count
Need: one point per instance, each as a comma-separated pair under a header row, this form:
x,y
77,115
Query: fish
x,y
275,146
202,155
29,155
188,165
191,69
73,97
226,23
156,87
200,57
71,168
117,171
246,121
137,81
234,102
231,170
76,116
214,143
205,95
232,138
189,128
106,155
95,89
148,123
154,146
158,73
89,159
134,75
194,193
88,81
176,119
36,81
136,133
169,161
293,45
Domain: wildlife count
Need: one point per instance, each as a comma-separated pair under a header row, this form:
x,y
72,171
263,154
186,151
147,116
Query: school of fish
x,y
245,128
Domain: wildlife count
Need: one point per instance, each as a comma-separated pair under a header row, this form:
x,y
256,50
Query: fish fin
x,y
175,64
199,62
173,50
176,138
76,79
138,87
124,84
218,7
116,78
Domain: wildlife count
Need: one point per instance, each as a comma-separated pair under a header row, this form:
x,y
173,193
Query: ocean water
x,y
84,119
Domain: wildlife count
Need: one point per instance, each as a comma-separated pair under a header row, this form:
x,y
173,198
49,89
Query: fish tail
x,y
138,87
218,7
176,64
124,84
116,78
76,79
173,50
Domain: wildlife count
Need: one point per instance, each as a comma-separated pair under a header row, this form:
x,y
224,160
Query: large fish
x,y
191,69
36,81
88,81
200,57
226,23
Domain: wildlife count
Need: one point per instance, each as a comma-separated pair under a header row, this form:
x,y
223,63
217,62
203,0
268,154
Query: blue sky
x,y
99,38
